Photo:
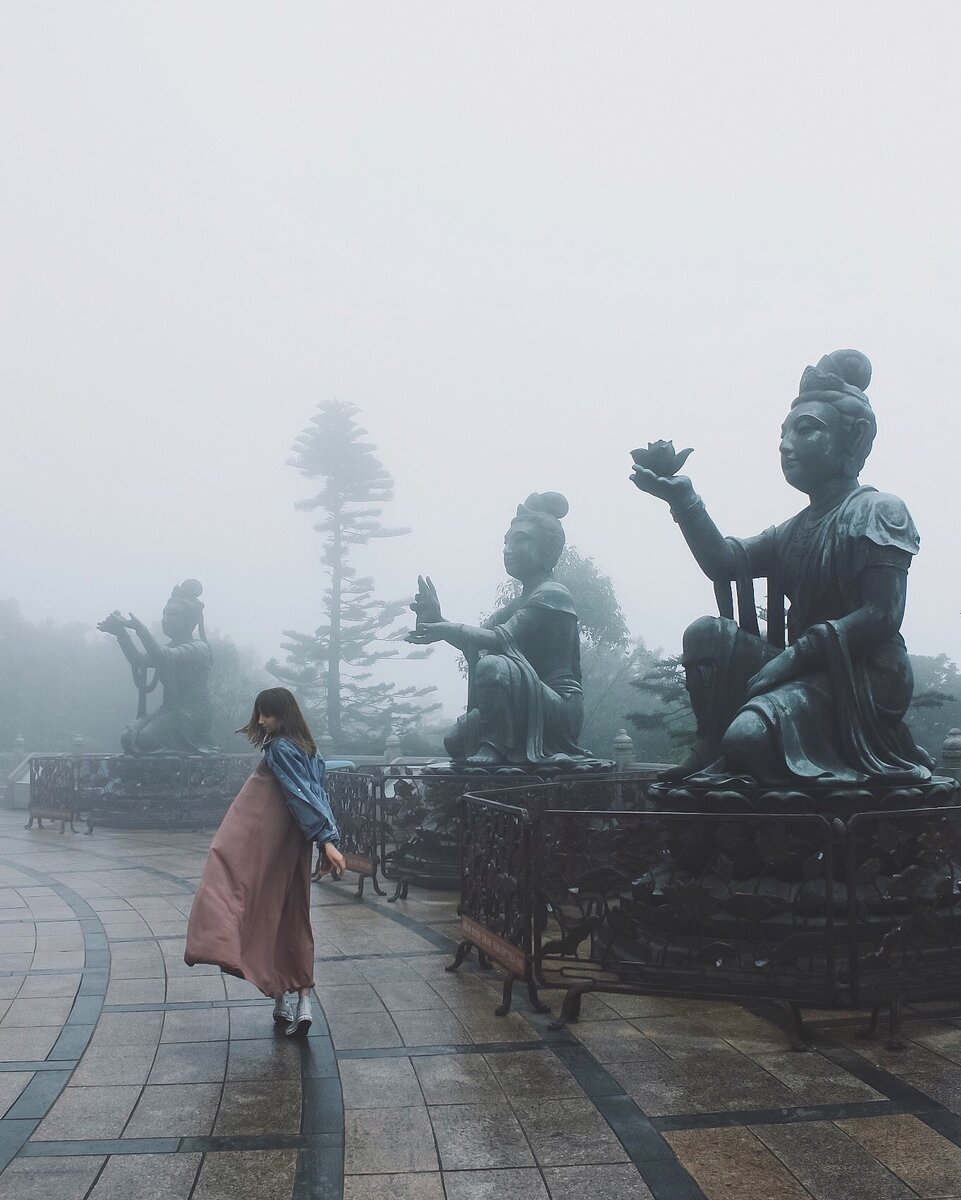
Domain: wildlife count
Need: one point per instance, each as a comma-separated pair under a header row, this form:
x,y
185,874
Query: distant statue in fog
x,y
524,704
826,701
181,724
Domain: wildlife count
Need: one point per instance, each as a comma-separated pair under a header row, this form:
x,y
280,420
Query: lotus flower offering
x,y
661,458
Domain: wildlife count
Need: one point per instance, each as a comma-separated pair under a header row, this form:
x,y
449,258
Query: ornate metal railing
x,y
793,908
496,890
355,801
170,791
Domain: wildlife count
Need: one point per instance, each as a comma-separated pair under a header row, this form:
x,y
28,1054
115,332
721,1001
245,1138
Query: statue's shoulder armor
x,y
881,518
555,596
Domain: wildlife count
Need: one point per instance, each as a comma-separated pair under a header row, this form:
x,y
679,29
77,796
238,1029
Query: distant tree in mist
x,y
330,668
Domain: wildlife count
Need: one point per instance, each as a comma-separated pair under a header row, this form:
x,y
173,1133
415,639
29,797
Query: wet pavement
x,y
124,1073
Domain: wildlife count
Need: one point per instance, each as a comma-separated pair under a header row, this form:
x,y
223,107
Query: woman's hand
x,y
426,634
677,490
426,603
334,857
779,670
134,623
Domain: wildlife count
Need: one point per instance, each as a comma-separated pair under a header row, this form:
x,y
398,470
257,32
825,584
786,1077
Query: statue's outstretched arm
x,y
463,637
151,654
710,549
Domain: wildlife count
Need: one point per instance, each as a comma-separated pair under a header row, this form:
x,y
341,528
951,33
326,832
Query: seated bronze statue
x,y
182,722
524,704
828,705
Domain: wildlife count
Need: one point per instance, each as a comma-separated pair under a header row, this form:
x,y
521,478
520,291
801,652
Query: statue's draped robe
x,y
540,700
182,722
843,720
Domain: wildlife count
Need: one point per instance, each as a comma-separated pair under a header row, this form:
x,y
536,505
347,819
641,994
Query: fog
x,y
522,238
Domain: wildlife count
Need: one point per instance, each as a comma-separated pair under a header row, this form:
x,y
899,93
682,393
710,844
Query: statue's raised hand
x,y
677,490
113,623
426,604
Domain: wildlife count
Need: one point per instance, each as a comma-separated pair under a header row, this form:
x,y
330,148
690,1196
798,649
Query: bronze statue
x,y
524,701
828,705
184,717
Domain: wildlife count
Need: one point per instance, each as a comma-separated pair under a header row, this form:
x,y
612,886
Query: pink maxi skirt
x,y
251,914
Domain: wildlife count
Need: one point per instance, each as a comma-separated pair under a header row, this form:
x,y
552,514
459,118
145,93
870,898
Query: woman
x,y
251,914
829,705
524,703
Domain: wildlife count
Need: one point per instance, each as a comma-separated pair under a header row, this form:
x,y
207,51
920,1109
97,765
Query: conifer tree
x,y
330,668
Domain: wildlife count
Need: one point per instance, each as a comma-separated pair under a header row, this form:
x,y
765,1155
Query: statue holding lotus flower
x,y
824,700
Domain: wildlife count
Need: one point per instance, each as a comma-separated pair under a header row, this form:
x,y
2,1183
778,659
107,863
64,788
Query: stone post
x,y
78,744
392,748
951,754
623,752
325,744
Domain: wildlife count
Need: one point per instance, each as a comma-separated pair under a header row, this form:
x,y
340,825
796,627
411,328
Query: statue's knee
x,y
744,739
491,671
702,638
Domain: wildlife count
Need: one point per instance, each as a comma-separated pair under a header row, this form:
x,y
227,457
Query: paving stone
x,y
379,1083
258,1108
815,1080
175,1110
518,1184
363,1031
615,1182
251,1021
927,1162
342,1000
733,1164
135,991
422,1186
47,986
196,1025
264,1059
147,1177
12,1084
829,1164
452,1079
66,1178
189,1062
37,1012
114,1064
81,1113
128,1029
264,1174
475,1136
615,1041
568,1133
388,1141
201,987
22,1045
533,1073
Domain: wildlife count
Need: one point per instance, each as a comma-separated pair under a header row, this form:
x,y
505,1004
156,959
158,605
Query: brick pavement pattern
x,y
125,1073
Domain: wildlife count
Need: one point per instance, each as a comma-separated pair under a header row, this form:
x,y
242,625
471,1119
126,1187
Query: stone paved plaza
x,y
124,1074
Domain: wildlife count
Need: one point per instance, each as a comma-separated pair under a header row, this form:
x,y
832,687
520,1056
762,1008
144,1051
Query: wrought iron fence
x,y
172,791
355,800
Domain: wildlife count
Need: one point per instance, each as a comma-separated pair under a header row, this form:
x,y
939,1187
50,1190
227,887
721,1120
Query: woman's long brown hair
x,y
278,702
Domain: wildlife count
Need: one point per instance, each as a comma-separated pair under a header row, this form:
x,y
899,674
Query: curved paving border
x,y
53,1074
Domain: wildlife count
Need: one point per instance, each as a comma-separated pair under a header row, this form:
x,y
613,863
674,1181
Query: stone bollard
x,y
951,754
392,748
78,744
325,744
623,752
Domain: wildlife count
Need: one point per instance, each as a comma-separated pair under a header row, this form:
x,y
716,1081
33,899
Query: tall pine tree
x,y
330,668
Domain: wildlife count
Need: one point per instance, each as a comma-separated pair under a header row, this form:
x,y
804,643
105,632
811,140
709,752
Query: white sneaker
x,y
283,1009
300,1023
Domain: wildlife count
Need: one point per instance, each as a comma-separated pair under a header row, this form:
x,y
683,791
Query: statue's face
x,y
178,622
812,446
523,556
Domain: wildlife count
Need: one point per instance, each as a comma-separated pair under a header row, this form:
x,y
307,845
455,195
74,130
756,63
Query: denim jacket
x,y
301,776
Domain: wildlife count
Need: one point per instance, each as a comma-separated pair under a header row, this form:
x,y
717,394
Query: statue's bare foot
x,y
487,756
696,760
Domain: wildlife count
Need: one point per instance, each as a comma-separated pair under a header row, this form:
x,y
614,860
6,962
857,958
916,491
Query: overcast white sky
x,y
522,237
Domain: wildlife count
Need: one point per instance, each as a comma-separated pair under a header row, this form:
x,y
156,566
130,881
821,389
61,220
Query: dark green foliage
x,y
934,709
664,722
329,668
